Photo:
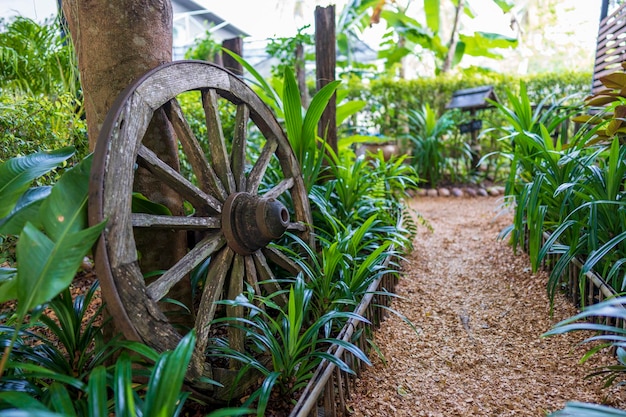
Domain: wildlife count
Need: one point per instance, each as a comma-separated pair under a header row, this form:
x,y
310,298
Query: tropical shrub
x,y
570,187
32,124
295,341
36,60
605,336
427,145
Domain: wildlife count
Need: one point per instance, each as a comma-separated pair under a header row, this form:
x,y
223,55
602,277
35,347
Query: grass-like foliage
x,y
294,339
605,336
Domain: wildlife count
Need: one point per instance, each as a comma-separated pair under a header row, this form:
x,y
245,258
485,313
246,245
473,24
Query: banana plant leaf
x,y
16,174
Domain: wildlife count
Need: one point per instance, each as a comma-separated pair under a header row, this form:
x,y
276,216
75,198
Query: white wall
x,y
38,10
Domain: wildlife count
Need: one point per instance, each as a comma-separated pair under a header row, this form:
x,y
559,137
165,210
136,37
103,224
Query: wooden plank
x,y
171,80
236,336
125,138
219,267
207,179
238,152
217,142
325,63
176,181
175,222
260,166
280,188
205,248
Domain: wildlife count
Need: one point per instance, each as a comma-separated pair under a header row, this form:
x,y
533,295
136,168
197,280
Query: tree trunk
x,y
116,42
447,64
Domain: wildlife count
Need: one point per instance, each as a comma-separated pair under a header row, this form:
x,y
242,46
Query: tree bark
x,y
116,42
447,64
325,61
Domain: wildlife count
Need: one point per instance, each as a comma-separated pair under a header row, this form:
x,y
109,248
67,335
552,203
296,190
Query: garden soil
x,y
480,313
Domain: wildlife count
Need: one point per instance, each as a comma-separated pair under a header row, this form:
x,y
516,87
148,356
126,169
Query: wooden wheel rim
x,y
128,299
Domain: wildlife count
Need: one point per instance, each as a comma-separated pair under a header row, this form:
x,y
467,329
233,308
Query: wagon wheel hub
x,y
250,222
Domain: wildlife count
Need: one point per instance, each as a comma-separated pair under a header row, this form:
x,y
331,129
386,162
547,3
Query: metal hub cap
x,y
250,222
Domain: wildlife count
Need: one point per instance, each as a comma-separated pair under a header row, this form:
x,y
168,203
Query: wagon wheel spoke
x,y
297,227
259,168
267,277
160,287
281,260
251,274
279,188
175,222
191,147
235,335
238,152
216,276
175,180
217,144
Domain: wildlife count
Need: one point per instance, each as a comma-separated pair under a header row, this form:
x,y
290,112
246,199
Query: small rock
x,y
431,193
421,192
444,192
482,192
471,192
457,192
493,191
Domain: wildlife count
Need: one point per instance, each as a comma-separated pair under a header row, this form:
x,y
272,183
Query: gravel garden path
x,y
480,313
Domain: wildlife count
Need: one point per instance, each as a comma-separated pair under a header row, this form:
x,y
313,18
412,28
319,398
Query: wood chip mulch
x,y
480,313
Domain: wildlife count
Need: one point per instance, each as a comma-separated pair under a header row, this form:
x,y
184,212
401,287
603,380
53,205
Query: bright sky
x,y
268,18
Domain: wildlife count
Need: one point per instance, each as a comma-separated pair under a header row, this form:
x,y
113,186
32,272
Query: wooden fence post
x,y
235,45
325,60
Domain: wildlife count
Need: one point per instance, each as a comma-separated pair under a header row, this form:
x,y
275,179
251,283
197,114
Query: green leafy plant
x,y
36,59
295,344
52,244
31,124
605,336
113,391
427,134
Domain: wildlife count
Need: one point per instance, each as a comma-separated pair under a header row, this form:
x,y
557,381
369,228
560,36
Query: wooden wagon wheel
x,y
235,212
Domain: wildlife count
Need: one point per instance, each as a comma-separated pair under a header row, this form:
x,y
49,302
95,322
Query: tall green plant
x,y
295,343
604,336
427,136
35,59
302,131
52,244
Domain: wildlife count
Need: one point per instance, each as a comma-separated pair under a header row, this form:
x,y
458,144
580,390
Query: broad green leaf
x,y
167,377
21,400
60,399
505,5
97,392
348,109
431,8
482,44
65,210
26,209
16,174
141,204
293,113
459,51
123,388
315,110
29,413
47,267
